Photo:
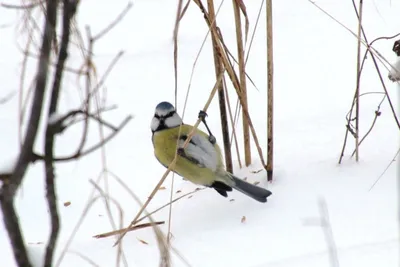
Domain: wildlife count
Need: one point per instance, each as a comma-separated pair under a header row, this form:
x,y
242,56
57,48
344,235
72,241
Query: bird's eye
x,y
170,114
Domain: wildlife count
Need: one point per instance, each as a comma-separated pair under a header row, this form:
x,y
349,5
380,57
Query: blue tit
x,y
201,161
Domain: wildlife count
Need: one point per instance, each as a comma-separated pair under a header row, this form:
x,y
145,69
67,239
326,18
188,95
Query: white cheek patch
x,y
154,124
173,121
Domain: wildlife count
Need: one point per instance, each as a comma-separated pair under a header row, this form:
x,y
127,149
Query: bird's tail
x,y
253,191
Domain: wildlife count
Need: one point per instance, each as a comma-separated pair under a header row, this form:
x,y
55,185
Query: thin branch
x,y
113,23
69,9
385,170
8,190
133,228
358,76
84,153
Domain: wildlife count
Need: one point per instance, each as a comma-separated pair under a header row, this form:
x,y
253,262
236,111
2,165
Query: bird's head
x,y
165,117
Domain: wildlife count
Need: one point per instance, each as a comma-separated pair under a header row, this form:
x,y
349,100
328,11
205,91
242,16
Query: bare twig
x,y
133,228
8,190
83,153
114,22
358,77
69,9
385,170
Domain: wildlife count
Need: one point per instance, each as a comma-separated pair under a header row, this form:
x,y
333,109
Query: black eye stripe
x,y
170,114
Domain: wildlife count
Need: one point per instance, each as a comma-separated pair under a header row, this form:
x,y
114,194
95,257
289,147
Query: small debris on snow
x,y
256,182
257,171
67,203
54,118
190,196
142,241
231,200
162,188
243,220
177,192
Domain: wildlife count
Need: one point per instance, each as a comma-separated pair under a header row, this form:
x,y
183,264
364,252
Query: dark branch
x,y
69,9
80,154
8,190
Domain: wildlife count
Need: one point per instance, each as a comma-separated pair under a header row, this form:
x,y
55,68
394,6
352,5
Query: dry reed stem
x,y
176,29
242,75
270,93
120,231
160,236
233,136
232,76
105,195
172,165
358,79
221,92
133,228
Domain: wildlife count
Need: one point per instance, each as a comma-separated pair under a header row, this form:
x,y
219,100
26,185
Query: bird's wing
x,y
200,151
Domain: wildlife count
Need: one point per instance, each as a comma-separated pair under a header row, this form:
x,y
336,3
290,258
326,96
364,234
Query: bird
x,y
201,161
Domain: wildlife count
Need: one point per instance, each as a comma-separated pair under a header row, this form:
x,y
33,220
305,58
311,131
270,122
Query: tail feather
x,y
253,191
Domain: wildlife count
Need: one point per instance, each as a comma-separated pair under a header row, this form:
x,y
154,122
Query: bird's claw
x,y
212,139
202,115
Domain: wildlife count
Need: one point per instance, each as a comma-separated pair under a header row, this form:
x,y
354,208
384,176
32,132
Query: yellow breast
x,y
165,147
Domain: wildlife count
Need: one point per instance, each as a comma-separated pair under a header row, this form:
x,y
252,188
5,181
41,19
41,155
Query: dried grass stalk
x,y
221,92
270,93
242,75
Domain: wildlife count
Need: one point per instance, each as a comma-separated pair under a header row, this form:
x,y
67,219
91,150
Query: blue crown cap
x,y
165,106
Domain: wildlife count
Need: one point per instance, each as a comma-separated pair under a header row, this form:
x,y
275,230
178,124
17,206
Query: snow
x,y
315,63
8,164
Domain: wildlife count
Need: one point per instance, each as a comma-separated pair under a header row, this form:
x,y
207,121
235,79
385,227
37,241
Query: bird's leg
x,y
211,137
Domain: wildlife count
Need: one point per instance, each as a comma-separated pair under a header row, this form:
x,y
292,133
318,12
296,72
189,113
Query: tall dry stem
x,y
270,93
242,77
221,92
358,78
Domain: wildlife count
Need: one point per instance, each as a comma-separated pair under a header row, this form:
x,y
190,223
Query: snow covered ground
x,y
315,66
